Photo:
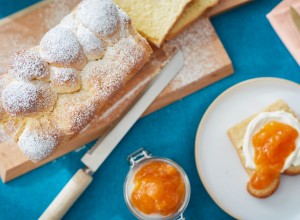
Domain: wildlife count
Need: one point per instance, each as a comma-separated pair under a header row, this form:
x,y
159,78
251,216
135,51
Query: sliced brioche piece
x,y
153,18
191,12
236,135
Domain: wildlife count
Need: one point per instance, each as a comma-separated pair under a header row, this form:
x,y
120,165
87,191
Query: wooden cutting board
x,y
206,61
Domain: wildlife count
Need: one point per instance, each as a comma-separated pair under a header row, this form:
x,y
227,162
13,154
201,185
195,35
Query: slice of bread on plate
x,y
153,18
236,135
192,11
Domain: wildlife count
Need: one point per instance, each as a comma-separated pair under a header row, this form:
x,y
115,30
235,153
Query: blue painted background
x,y
255,51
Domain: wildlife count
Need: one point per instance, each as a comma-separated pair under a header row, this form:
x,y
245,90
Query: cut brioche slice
x,y
191,12
153,18
236,135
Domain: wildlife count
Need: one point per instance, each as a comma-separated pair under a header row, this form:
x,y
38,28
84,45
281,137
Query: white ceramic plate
x,y
217,161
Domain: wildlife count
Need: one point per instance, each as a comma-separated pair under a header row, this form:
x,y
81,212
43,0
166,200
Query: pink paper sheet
x,y
284,26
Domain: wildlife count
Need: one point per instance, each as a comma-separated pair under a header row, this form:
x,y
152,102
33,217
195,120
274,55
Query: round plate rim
x,y
208,110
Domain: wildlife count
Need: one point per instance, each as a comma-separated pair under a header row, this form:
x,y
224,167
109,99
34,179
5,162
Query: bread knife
x,y
104,146
296,18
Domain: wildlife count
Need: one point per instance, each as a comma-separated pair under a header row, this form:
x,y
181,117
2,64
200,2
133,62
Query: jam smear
x,y
159,189
272,145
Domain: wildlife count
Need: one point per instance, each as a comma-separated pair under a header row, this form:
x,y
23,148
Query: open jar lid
x,y
140,159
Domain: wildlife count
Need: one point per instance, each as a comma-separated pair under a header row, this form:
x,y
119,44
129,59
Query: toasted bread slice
x,y
192,11
153,18
236,135
264,192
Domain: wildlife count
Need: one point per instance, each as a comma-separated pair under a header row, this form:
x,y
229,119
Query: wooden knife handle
x,y
67,196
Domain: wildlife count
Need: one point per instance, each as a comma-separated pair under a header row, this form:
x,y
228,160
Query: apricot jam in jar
x,y
156,187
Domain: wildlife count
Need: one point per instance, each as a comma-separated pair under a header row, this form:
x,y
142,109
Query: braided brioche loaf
x,y
53,90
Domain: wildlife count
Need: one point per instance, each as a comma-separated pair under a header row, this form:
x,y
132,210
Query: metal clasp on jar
x,y
138,156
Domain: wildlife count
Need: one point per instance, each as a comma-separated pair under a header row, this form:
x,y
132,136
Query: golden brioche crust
x,y
65,80
78,66
28,65
60,47
236,135
40,132
264,192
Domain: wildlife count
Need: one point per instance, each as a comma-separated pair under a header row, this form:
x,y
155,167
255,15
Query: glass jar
x,y
137,160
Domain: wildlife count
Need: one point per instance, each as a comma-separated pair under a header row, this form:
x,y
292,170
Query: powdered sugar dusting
x,y
21,102
126,51
60,45
3,136
17,42
93,47
28,65
5,80
100,16
13,127
27,31
63,75
20,98
107,76
95,78
201,58
82,116
65,79
127,96
112,111
37,145
74,111
125,23
47,97
56,10
68,22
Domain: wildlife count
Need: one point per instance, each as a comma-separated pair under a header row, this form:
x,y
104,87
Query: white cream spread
x,y
257,124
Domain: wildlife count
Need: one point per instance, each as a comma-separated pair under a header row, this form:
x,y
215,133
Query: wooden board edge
x,y
224,7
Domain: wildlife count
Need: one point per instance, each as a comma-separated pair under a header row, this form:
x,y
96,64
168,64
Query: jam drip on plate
x,y
159,189
272,146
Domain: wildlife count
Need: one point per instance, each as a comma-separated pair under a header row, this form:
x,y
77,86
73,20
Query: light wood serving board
x,y
206,61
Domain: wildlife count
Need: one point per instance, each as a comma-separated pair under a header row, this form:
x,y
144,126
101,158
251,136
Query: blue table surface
x,y
255,50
